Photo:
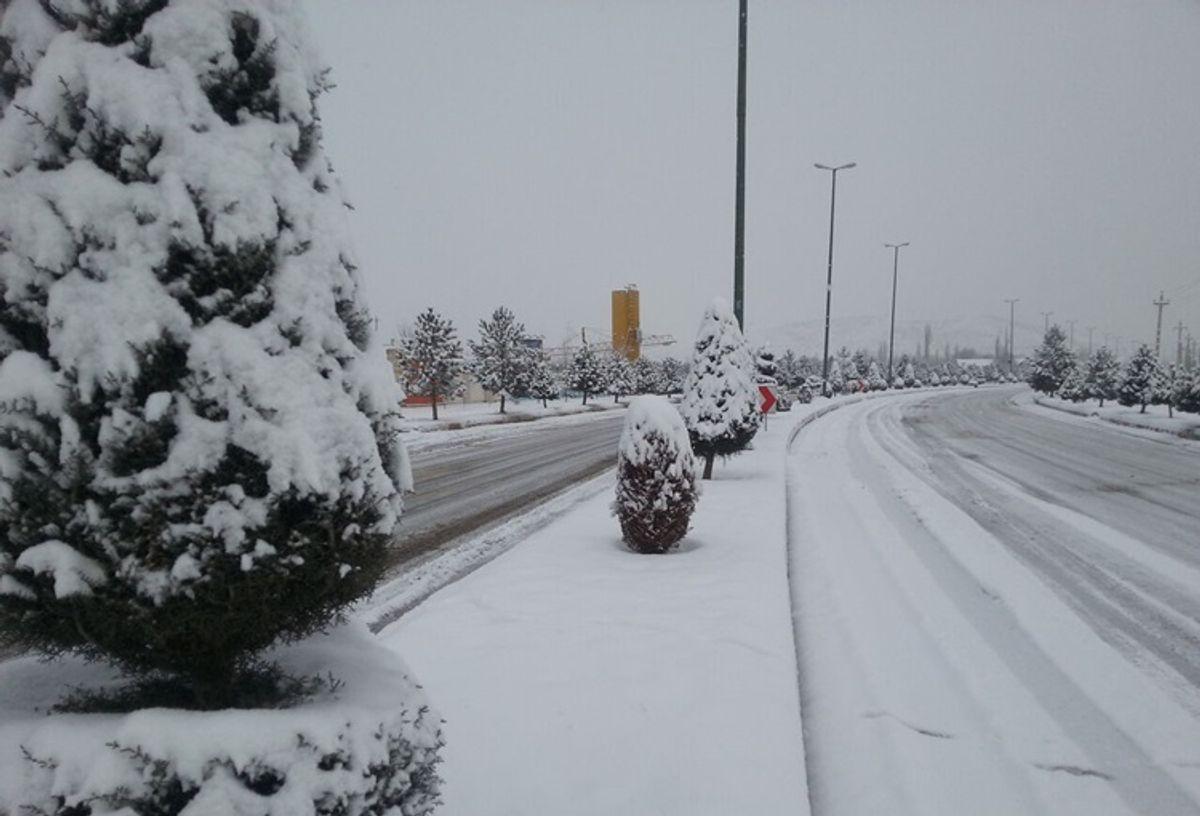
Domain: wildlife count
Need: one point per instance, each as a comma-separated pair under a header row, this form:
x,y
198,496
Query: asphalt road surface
x,y
1146,487
461,487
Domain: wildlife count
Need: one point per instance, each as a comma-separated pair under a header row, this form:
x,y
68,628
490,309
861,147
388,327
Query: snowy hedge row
x,y
367,744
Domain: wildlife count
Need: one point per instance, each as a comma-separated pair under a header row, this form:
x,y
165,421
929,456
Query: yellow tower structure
x,y
627,323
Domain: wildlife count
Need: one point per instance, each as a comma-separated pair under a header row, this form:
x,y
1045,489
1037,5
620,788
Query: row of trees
x,y
1055,370
432,363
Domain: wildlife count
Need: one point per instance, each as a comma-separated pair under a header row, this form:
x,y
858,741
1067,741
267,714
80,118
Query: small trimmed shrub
x,y
656,477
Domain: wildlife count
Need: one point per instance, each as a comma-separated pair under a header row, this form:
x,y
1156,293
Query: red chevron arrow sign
x,y
767,399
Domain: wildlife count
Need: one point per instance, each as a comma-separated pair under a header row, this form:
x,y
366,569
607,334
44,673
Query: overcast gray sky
x,y
538,153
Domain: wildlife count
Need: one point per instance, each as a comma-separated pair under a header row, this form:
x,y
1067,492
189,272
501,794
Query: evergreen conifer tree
x,y
503,359
766,370
200,433
656,477
1138,379
543,384
1103,377
647,377
433,358
1074,386
673,372
618,375
1051,362
720,402
586,372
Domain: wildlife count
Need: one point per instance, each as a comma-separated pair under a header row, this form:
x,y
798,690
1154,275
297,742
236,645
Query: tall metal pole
x,y
1160,303
892,335
1090,330
739,218
833,171
1046,317
1012,323
1071,345
1179,347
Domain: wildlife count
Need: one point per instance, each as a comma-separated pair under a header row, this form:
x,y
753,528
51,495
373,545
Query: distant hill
x,y
869,331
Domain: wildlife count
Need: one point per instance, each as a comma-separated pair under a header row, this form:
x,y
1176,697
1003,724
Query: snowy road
x,y
460,487
998,611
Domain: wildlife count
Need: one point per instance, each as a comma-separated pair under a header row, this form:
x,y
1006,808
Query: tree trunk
x,y
502,402
544,405
433,400
585,397
1143,409
708,462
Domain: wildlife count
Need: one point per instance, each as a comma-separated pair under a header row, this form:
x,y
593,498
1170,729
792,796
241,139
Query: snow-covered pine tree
x,y
503,358
765,368
647,377
618,375
875,380
909,375
720,402
673,373
1187,392
1103,376
1166,383
199,431
789,373
1051,362
586,372
837,378
543,384
1074,385
432,357
1137,381
656,477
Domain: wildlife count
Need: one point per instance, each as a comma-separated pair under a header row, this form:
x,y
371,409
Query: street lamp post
x,y
892,334
1046,317
1012,323
833,171
739,216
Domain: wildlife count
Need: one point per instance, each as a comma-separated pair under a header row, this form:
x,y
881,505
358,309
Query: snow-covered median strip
x,y
477,426
1155,418
577,677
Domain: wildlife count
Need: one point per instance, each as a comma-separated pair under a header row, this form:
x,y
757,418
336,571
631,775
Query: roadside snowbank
x,y
578,677
484,426
457,416
364,746
1155,418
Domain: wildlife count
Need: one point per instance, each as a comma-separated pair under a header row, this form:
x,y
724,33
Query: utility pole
x,y
1179,327
1071,323
1046,317
1160,303
1090,330
1012,322
892,336
833,171
739,217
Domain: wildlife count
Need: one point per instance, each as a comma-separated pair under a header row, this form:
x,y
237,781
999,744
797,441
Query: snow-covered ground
x,y
579,678
941,672
455,416
1155,418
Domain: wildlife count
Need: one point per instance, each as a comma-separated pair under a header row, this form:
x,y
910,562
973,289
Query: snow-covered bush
x,y
647,377
875,379
765,368
1137,381
199,450
720,401
1051,362
432,357
618,374
1187,392
503,360
365,746
656,476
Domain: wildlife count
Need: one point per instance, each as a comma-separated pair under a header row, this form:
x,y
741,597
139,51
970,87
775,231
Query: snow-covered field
x,y
1155,418
941,674
579,678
